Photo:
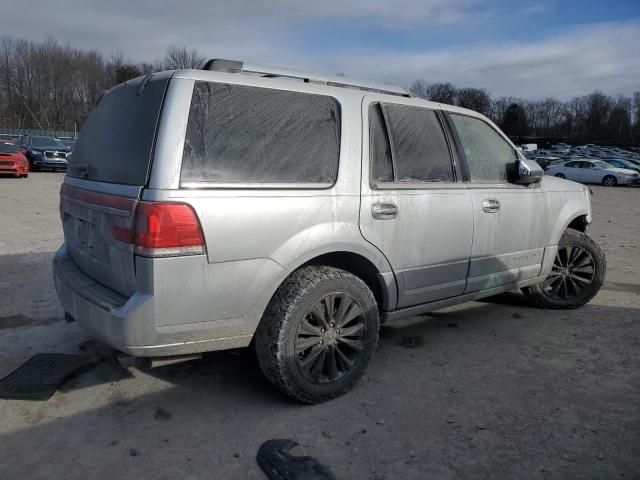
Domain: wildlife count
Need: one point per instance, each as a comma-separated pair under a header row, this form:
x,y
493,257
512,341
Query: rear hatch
x,y
107,171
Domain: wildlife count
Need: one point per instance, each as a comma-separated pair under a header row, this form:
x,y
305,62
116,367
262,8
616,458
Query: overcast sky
x,y
522,48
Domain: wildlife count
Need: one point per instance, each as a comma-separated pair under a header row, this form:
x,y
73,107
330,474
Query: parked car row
x,y
594,171
21,154
608,166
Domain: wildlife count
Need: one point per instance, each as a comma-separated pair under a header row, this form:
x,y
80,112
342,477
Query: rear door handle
x,y
384,211
490,205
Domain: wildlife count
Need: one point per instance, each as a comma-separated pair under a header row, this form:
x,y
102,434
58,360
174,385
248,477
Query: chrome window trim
x,y
382,186
257,186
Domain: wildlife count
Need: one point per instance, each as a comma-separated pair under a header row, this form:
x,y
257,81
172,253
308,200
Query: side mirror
x,y
528,172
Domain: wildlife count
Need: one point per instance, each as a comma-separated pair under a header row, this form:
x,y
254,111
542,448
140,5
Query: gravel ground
x,y
483,390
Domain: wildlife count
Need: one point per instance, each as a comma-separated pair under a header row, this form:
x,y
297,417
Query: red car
x,y
12,160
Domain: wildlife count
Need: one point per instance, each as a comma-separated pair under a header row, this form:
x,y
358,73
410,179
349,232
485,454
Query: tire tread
x,y
540,300
270,335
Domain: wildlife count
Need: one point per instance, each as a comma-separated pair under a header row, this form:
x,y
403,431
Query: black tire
x,y
577,275
560,175
295,352
609,181
24,175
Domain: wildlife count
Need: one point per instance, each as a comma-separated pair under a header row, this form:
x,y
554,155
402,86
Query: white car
x,y
594,171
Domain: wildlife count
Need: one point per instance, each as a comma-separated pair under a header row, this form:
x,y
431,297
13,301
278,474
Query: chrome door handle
x,y
490,205
384,211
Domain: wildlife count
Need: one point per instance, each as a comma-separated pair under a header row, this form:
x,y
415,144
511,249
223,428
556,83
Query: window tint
x,y
116,142
239,134
490,157
380,151
419,147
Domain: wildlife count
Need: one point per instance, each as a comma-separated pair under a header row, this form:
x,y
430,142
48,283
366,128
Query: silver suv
x,y
212,209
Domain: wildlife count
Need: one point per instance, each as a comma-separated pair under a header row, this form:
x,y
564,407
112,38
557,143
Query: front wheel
x,y
609,181
318,334
576,276
560,175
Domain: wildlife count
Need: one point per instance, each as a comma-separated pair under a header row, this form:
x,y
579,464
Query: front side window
x,y
412,148
238,134
489,156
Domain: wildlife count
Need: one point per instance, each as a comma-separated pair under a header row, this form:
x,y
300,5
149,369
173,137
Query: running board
x,y
448,302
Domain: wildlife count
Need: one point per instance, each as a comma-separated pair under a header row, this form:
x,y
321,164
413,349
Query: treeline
x,y
50,86
592,118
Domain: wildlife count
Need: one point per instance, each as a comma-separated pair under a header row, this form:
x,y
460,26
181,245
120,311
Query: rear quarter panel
x,y
255,237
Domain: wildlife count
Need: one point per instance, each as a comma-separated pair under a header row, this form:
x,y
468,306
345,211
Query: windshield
x,y
46,142
8,148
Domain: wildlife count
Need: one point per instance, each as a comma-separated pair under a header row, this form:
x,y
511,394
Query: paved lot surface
x,y
484,390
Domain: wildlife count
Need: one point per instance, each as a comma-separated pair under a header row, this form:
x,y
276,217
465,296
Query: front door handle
x,y
384,211
490,205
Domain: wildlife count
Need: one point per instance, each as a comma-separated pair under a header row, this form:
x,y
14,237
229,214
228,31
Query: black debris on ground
x,y
41,375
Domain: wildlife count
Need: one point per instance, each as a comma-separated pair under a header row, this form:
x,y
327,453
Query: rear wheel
x,y
609,181
576,276
318,334
24,175
560,175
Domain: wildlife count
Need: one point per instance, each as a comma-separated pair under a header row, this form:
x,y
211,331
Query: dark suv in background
x,y
44,152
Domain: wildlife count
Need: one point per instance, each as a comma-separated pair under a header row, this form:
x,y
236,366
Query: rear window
x,y
116,142
249,135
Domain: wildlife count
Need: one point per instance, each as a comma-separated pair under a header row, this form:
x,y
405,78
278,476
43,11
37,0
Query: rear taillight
x,y
167,229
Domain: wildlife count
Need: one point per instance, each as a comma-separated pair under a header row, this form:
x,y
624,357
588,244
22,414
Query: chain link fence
x,y
9,133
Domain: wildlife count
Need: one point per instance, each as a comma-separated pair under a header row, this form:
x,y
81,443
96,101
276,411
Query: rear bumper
x,y
139,325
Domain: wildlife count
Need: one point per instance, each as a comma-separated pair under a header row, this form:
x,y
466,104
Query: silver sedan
x,y
594,171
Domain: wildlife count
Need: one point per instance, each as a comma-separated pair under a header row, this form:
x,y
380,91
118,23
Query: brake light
x,y
167,229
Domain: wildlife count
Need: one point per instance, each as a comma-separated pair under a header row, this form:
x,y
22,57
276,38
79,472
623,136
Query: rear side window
x,y
489,156
415,149
116,142
238,134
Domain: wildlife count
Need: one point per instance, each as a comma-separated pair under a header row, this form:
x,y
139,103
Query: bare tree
x,y
52,85
474,98
180,57
419,88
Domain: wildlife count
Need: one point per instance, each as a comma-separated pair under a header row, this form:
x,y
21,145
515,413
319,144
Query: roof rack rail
x,y
235,66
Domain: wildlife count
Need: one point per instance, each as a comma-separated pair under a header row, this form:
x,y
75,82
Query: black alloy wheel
x,y
330,338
